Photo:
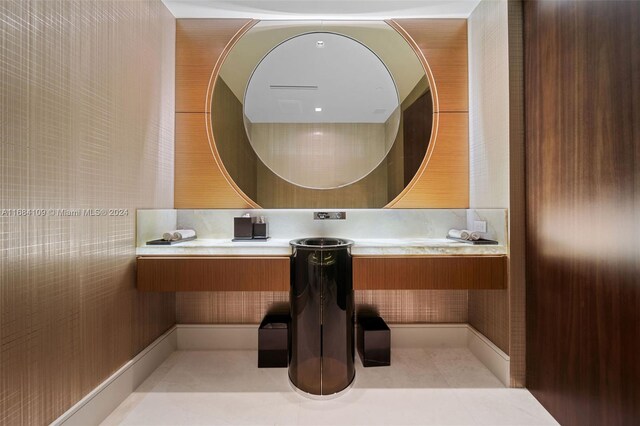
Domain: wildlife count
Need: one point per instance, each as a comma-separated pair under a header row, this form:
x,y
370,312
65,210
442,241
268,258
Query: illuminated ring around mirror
x,y
400,200
273,123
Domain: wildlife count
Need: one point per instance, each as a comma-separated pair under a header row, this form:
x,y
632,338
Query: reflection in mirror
x,y
321,114
321,110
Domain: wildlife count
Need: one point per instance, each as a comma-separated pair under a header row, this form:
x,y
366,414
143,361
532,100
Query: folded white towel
x,y
462,234
183,234
474,236
178,234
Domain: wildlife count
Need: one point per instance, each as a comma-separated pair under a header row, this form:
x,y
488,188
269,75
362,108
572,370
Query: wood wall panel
x,y
443,178
201,43
199,182
429,272
213,273
443,42
369,273
582,103
444,181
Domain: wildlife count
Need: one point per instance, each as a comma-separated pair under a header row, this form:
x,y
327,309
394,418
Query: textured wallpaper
x,y
86,124
395,306
488,105
489,146
496,134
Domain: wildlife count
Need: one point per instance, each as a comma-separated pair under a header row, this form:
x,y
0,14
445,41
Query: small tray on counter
x,y
480,242
161,242
249,240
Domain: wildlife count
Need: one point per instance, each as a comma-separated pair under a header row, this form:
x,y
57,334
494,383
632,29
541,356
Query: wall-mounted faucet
x,y
329,215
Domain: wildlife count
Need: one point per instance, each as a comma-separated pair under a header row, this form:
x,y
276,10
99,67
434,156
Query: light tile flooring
x,y
421,387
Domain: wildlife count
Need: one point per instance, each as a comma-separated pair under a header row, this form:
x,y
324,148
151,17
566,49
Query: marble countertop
x,y
281,247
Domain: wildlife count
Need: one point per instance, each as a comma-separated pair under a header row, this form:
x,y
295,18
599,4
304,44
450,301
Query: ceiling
x,y
390,47
343,79
321,9
349,76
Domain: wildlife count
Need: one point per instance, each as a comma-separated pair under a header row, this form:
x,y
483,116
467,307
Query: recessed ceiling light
x,y
317,133
318,109
319,44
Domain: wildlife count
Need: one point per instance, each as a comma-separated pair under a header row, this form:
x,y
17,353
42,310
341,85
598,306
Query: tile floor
x,y
421,387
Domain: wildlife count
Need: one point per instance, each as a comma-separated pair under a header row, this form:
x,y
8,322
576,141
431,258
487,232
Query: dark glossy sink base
x,y
322,397
322,320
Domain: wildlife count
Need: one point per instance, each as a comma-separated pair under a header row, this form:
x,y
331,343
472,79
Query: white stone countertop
x,y
281,247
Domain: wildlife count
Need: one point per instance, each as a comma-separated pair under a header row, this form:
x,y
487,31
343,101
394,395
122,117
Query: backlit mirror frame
x,y
201,182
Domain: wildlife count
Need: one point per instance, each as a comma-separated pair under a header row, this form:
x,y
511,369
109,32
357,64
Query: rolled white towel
x,y
179,234
459,233
183,234
474,236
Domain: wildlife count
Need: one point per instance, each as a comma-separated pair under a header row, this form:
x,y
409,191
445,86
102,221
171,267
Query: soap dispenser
x,y
260,229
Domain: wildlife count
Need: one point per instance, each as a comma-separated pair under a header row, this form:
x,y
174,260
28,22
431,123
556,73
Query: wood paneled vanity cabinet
x,y
218,273
429,272
204,273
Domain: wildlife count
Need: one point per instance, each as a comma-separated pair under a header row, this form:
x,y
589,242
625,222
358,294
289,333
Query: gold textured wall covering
x,y
517,208
416,306
489,146
225,307
497,166
86,121
489,314
395,306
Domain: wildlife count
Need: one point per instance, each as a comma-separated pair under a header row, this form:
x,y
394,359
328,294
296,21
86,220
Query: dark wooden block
x,y
374,342
273,341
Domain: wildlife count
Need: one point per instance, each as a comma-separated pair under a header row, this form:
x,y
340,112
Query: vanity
x,y
321,275
277,118
406,256
250,272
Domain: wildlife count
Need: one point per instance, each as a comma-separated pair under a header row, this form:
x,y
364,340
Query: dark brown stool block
x,y
374,342
273,341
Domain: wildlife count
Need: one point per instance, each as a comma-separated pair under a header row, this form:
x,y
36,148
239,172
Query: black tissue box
x,y
242,228
273,341
374,342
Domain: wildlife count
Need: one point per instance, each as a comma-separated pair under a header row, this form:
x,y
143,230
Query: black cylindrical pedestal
x,y
322,316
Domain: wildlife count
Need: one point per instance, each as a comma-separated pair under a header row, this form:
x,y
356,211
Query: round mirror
x,y
321,110
321,114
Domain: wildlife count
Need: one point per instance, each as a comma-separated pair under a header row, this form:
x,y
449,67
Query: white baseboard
x,y
102,400
490,355
99,403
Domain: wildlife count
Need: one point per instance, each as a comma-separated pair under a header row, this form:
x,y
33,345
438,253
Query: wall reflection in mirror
x,y
321,114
